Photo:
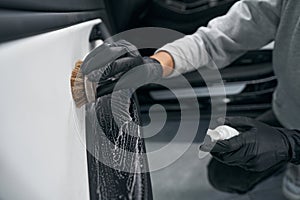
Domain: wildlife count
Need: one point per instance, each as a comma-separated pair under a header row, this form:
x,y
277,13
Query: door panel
x,y
52,5
42,154
32,17
27,23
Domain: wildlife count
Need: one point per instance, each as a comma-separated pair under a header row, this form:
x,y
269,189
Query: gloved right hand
x,y
259,146
129,71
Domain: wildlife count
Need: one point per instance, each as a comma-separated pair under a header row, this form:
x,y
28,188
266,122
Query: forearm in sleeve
x,y
249,25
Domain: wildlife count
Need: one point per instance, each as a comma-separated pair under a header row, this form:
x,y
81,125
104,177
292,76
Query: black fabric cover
x,y
105,141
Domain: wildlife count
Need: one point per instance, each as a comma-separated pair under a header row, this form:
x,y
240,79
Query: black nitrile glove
x,y
128,71
259,146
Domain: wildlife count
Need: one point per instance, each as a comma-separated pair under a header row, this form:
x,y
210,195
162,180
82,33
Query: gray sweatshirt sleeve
x,y
248,25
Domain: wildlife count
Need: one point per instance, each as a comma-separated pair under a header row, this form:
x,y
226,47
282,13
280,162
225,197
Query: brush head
x,y
78,86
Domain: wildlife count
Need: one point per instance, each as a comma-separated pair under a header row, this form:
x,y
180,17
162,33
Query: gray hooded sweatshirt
x,y
249,25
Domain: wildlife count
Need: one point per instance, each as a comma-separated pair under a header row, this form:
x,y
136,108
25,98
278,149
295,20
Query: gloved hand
x,y
259,146
129,71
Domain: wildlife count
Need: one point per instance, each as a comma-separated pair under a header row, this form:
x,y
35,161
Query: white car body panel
x,y
42,155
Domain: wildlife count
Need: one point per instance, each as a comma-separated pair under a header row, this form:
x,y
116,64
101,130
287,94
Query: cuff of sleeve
x,y
180,65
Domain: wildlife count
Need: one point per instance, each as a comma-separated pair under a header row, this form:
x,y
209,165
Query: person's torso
x,y
286,61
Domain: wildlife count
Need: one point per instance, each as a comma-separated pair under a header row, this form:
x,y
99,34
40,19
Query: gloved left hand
x,y
259,146
129,71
